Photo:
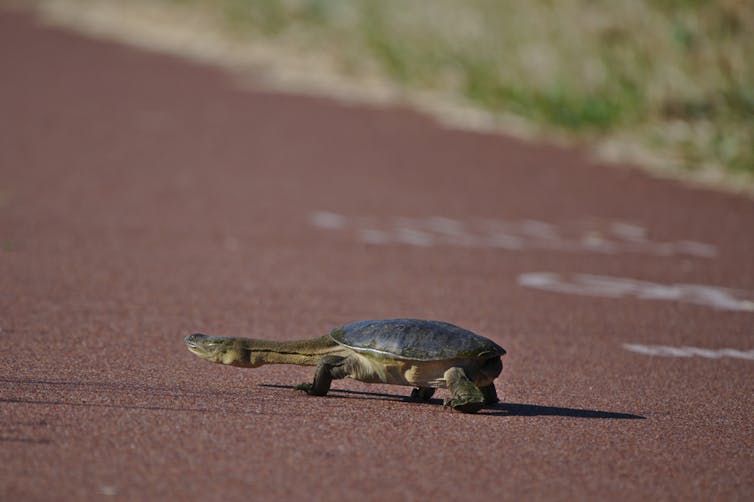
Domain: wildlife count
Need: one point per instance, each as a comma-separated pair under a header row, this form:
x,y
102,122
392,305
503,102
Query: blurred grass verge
x,y
667,84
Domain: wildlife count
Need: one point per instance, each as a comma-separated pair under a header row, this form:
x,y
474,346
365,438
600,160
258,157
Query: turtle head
x,y
219,349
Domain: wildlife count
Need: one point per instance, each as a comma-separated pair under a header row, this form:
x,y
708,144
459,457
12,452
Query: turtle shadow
x,y
499,409
19,439
364,395
68,395
533,410
76,404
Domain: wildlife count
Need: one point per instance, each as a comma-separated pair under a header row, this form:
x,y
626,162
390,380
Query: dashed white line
x,y
666,351
590,236
617,287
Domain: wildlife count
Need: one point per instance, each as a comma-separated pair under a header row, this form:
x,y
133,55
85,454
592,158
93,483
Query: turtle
x,y
420,353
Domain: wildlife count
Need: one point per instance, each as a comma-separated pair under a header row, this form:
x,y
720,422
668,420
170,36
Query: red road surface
x,y
143,198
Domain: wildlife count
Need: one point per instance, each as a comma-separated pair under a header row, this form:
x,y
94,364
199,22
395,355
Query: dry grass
x,y
669,79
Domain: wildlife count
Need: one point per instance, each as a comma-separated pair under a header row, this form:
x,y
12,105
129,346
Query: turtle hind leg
x,y
329,368
422,394
464,395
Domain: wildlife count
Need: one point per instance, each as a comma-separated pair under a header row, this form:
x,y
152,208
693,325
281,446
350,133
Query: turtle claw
x,y
463,405
306,387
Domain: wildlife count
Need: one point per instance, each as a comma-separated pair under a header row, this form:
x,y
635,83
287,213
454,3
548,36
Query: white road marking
x,y
108,490
328,220
414,237
665,351
617,287
591,236
629,232
372,236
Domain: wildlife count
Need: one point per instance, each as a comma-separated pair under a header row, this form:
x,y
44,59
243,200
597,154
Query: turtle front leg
x,y
489,393
328,368
422,394
464,395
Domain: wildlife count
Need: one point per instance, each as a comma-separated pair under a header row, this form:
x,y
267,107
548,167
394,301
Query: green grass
x,y
676,76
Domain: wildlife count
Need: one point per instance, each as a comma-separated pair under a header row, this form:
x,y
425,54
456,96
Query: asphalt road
x,y
143,198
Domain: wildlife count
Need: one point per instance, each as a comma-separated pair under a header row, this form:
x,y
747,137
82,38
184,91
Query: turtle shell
x,y
415,339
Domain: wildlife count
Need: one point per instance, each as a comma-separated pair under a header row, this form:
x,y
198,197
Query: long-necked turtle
x,y
413,352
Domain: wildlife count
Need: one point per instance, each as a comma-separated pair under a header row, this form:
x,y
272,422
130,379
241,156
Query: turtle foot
x,y
306,387
310,389
422,394
464,405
